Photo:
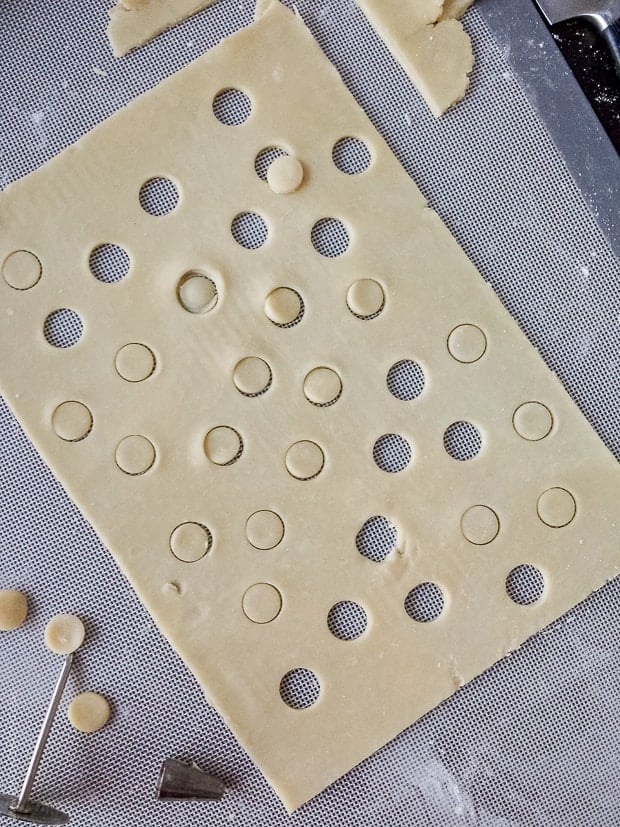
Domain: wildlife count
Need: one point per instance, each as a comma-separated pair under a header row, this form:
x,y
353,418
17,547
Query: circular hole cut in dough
x,y
223,445
330,237
135,362
322,387
347,620
425,602
285,175
406,380
462,441
64,634
13,609
366,299
72,421
467,343
264,529
376,538
480,525
351,156
88,712
304,460
135,455
533,421
63,328
21,270
189,542
158,196
232,107
300,688
392,453
284,307
109,263
252,376
196,292
265,158
556,507
249,229
525,584
262,603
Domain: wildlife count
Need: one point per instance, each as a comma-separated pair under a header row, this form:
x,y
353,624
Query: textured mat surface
x,y
532,741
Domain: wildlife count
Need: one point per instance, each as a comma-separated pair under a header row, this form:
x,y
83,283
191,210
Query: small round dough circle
x,y
322,386
480,525
262,603
88,712
21,270
365,298
197,292
135,454
72,421
223,445
556,507
64,634
264,529
304,460
252,376
285,174
189,542
135,362
283,306
13,609
532,421
467,343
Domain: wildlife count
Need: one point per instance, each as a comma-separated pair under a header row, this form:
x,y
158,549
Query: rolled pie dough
x,y
135,22
429,43
242,527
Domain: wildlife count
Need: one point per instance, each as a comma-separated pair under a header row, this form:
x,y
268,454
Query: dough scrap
x,y
88,712
429,43
194,536
135,22
13,609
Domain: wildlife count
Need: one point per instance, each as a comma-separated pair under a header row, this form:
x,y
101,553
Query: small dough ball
x,y
88,712
64,634
13,609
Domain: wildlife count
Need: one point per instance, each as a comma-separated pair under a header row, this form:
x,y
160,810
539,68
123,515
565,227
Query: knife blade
x,y
604,15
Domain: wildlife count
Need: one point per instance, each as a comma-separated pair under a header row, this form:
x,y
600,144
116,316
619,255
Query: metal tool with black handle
x,y
604,15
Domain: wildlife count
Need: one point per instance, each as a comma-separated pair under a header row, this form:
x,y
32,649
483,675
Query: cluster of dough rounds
x,y
64,634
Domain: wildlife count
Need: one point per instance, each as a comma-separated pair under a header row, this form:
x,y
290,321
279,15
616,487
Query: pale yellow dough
x,y
64,634
88,712
13,609
241,562
429,43
134,22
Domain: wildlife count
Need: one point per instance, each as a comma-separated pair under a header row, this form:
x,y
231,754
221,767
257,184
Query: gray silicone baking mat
x,y
533,741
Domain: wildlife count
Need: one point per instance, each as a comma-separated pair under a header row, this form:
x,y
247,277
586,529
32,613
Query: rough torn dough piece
x,y
13,609
88,712
194,536
430,45
64,634
135,22
454,8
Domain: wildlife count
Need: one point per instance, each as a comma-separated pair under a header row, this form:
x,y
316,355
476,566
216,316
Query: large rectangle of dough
x,y
554,496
